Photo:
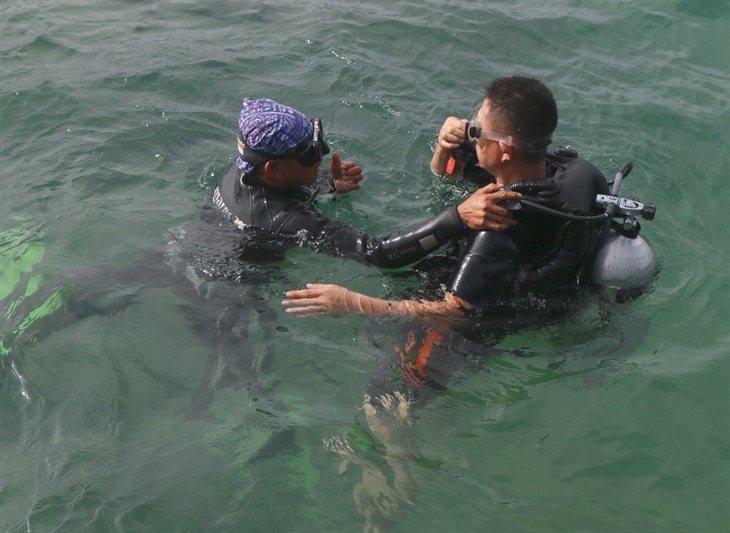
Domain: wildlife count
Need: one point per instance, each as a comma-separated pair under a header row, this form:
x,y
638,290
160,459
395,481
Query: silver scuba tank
x,y
624,263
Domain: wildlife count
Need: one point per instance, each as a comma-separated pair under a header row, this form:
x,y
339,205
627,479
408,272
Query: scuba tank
x,y
623,260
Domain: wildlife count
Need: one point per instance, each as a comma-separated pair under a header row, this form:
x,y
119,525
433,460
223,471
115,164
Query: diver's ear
x,y
272,172
507,151
272,168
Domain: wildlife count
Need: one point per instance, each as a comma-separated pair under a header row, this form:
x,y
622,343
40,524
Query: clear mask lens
x,y
475,131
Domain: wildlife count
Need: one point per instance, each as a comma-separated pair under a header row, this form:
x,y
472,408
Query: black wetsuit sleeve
x,y
487,270
288,213
395,250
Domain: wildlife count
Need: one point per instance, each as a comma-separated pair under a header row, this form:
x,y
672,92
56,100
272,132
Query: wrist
x,y
439,160
464,226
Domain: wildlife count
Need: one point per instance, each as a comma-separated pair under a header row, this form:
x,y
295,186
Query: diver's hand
x,y
346,175
482,210
325,299
451,134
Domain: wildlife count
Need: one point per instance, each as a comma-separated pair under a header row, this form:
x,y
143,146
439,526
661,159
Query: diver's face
x,y
294,173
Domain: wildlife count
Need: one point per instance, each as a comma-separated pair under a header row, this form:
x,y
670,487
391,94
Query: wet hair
x,y
526,109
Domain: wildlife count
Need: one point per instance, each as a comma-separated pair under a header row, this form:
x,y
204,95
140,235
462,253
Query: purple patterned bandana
x,y
270,127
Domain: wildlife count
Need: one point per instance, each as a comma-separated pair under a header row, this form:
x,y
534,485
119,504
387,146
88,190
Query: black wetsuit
x,y
541,254
288,213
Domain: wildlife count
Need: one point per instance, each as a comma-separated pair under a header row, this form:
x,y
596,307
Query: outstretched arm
x,y
325,299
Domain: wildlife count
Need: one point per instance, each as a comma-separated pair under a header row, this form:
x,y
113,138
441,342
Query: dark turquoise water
x,y
117,119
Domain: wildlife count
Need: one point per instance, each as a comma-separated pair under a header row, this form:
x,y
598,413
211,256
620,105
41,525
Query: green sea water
x,y
116,120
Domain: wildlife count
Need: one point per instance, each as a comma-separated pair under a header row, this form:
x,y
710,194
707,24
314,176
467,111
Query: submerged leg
x,y
383,497
412,372
238,325
382,505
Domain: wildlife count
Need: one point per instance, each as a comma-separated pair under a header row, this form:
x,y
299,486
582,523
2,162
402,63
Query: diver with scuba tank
x,y
622,260
554,235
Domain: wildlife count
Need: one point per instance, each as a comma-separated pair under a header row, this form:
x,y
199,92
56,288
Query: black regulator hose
x,y
620,175
534,186
545,186
559,214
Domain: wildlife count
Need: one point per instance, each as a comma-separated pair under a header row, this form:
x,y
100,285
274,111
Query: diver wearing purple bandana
x,y
269,188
